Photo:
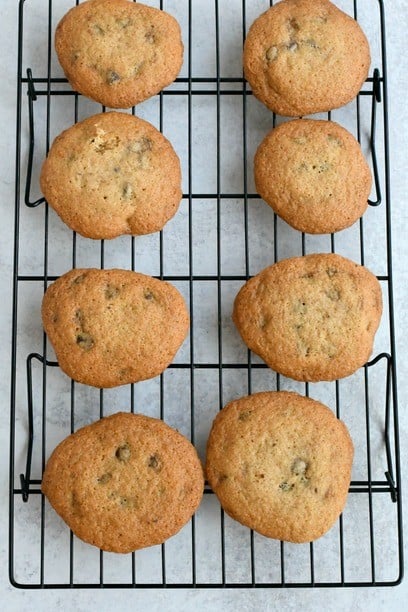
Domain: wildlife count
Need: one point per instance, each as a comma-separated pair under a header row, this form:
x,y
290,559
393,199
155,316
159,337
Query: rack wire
x,y
219,239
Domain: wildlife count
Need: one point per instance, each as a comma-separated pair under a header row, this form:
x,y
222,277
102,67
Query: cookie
x,y
125,482
117,52
314,175
113,327
305,56
280,463
112,174
311,318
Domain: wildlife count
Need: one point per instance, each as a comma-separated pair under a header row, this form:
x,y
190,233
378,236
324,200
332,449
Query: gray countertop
x,y
385,598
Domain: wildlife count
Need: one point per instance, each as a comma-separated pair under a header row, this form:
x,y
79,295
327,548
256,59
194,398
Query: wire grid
x,y
212,550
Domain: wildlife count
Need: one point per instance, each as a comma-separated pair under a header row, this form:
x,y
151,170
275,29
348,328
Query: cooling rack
x,y
222,235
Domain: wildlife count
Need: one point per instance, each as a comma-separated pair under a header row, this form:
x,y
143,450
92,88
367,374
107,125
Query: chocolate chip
x,y
78,279
124,23
154,463
263,322
285,486
105,478
323,167
127,191
141,145
272,54
150,36
300,308
106,145
85,341
111,292
148,295
293,24
137,68
244,415
334,140
141,148
128,502
79,318
98,29
299,467
112,77
331,272
333,294
123,453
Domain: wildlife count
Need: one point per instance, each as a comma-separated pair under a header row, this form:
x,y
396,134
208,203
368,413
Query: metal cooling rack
x,y
365,547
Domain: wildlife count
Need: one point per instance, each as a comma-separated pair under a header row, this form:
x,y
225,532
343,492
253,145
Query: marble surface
x,y
188,599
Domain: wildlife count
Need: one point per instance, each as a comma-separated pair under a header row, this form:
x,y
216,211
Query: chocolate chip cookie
x,y
311,318
117,52
314,175
125,482
112,174
305,56
112,327
280,464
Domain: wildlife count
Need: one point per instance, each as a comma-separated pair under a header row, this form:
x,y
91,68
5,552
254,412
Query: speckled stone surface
x,y
206,386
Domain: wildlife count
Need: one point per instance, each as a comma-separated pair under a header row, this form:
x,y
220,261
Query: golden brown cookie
x,y
311,318
305,56
112,174
280,463
125,482
112,327
117,52
314,175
